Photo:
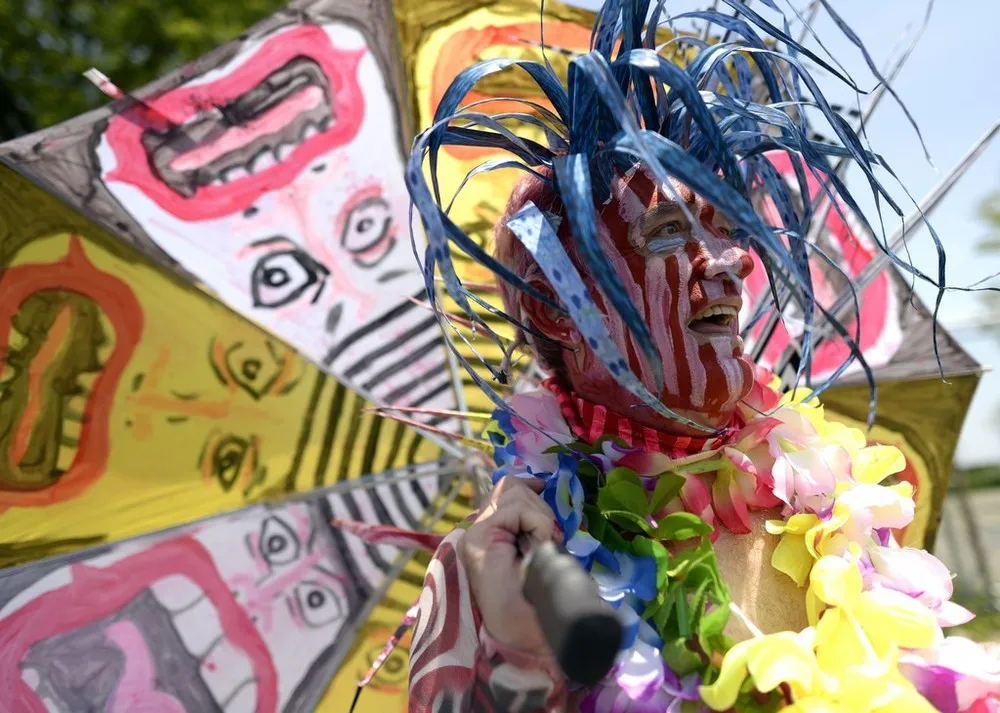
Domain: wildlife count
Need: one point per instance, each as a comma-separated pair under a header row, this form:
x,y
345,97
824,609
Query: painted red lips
x,y
245,134
28,403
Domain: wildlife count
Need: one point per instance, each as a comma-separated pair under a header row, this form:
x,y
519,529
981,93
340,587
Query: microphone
x,y
580,628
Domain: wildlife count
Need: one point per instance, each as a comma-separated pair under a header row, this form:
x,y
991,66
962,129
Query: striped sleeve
x,y
456,666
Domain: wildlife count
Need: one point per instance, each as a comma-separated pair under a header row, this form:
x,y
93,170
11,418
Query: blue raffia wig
x,y
708,125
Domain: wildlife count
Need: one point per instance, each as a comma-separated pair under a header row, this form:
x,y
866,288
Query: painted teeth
x,y
234,174
31,677
176,592
262,161
65,458
244,699
86,380
718,310
16,341
199,627
284,151
225,670
71,432
7,372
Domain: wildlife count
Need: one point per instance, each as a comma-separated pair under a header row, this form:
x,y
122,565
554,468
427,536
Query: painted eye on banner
x,y
228,456
280,278
319,605
278,544
368,235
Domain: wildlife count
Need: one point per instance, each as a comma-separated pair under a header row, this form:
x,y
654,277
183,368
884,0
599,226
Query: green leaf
x,y
624,491
668,485
680,659
683,615
602,531
629,521
710,635
681,526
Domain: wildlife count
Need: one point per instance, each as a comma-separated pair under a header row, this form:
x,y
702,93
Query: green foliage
x,y
46,45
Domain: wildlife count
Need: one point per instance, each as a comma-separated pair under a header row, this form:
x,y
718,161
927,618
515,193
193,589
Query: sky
x,y
948,85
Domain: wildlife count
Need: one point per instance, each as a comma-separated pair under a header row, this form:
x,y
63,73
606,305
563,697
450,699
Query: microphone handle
x,y
581,629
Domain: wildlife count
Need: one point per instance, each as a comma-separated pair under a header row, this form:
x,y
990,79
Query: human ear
x,y
547,320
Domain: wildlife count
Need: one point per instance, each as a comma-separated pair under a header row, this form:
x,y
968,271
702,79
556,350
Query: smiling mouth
x,y
57,345
254,132
166,646
714,319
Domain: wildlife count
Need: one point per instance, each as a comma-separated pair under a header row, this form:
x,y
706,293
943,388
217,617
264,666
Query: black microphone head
x,y
581,629
590,647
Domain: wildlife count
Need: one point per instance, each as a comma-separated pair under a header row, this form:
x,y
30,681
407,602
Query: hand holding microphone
x,y
532,595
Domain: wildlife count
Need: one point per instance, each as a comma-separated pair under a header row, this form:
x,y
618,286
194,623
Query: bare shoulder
x,y
770,599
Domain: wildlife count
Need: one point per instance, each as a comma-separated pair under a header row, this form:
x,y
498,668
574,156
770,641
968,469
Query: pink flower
x,y
920,575
872,507
958,676
762,398
538,425
807,479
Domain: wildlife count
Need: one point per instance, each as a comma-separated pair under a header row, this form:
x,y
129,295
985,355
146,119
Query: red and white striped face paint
x,y
686,278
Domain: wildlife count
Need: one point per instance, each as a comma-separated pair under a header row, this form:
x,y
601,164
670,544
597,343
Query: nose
x,y
722,256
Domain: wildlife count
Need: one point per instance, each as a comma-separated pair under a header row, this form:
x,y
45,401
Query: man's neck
x,y
590,419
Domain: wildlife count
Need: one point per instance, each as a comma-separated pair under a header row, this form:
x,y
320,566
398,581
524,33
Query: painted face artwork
x,y
115,420
88,363
229,617
280,185
246,613
686,280
69,331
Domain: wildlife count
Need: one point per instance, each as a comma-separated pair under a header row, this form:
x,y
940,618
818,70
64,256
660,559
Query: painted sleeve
x,y
457,667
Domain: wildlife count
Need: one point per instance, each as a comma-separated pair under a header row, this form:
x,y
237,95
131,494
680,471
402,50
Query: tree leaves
x,y
46,45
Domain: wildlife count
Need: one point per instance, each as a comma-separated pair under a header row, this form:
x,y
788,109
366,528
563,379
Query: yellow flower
x,y
863,626
804,539
876,463
770,660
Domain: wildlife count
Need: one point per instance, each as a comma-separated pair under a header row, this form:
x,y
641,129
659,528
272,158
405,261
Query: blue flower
x,y
635,575
564,494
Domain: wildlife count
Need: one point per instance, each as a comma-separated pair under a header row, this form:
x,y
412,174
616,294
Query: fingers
x,y
512,517
520,491
515,507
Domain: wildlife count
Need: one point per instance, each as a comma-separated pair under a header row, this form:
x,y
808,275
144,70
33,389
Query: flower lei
x,y
643,524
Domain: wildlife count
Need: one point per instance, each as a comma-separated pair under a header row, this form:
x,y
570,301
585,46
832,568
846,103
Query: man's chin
x,y
727,381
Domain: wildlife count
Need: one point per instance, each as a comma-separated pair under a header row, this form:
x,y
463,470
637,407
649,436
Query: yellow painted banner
x,y
130,402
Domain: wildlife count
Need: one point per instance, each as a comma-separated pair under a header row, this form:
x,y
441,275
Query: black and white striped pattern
x,y
398,359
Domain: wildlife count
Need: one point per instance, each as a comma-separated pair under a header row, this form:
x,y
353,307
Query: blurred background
x,y
947,83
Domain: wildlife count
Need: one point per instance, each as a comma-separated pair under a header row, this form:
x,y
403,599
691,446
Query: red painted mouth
x,y
55,312
98,593
245,134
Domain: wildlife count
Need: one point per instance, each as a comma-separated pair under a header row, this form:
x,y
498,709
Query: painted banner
x,y
130,402
251,611
270,171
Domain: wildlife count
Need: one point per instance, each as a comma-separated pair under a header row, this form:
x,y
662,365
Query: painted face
x,y
685,277
231,616
280,186
91,360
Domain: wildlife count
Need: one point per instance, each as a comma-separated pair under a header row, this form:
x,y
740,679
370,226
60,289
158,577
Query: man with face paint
x,y
686,279
744,541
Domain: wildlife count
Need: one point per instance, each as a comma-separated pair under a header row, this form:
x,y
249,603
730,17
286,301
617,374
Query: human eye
x,y
279,278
